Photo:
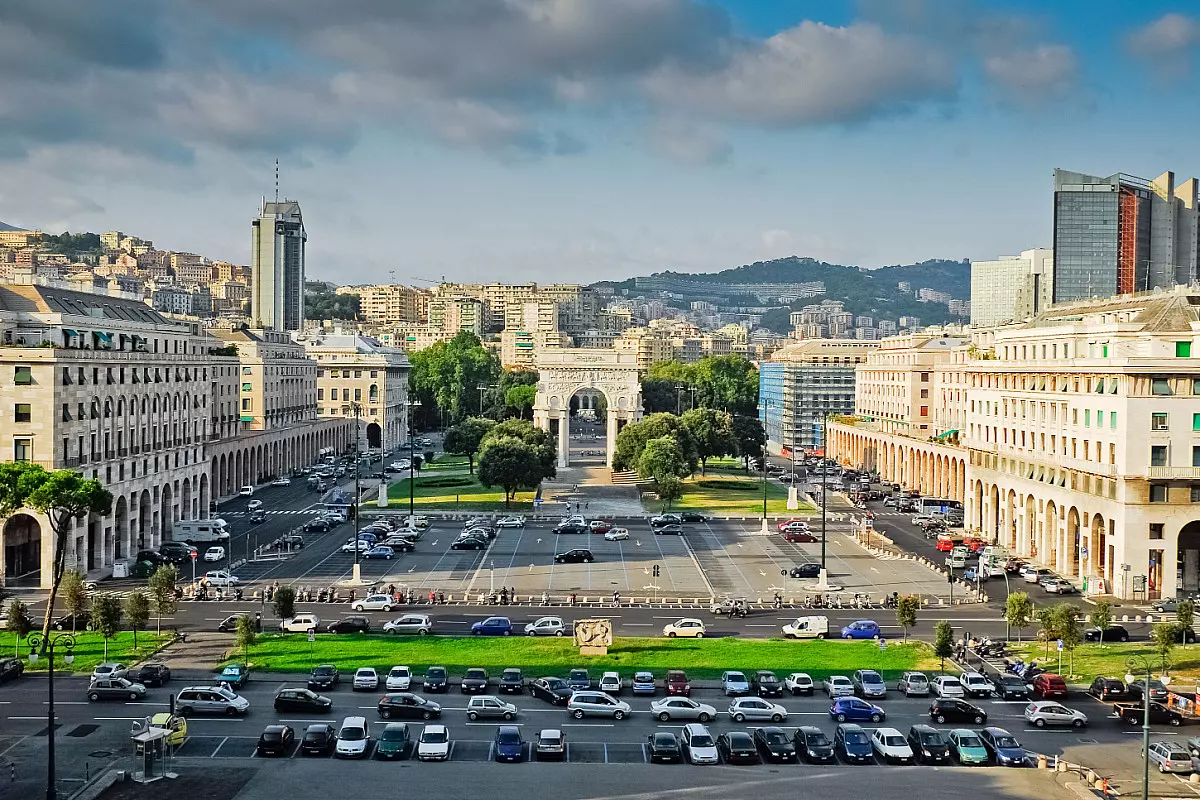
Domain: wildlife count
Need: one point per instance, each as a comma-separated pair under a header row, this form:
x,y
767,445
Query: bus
x,y
951,508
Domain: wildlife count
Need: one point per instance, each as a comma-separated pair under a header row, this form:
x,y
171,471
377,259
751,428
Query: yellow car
x,y
176,725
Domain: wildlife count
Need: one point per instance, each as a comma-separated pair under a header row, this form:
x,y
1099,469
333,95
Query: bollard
x,y
1124,618
1092,777
1041,762
1194,777
1137,618
1060,765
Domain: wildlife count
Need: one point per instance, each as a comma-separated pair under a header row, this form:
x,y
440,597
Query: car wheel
x,y
777,718
530,633
471,715
385,713
840,717
1077,723
665,717
232,712
739,717
1173,722
940,719
702,717
877,718
183,711
93,696
978,719
671,634
133,695
1039,723
474,633
577,713
618,715
390,631
558,633
508,716
700,635
1125,638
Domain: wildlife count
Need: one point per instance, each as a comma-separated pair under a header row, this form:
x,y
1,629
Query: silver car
x,y
756,708
913,683
669,708
485,705
1048,712
838,686
1170,757
583,703
418,624
546,626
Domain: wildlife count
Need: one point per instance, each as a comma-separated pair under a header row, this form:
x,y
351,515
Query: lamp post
x,y
1140,665
36,642
678,399
483,389
412,453
823,581
355,408
765,529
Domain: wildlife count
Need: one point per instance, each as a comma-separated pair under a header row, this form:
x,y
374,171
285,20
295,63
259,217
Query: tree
x,y
632,439
661,460
520,399
669,489
465,438
107,610
658,395
514,464
18,623
283,603
63,496
1185,614
75,595
1102,616
329,305
1164,634
750,437
1018,612
1048,623
1066,617
906,613
728,382
713,433
445,377
162,592
943,641
137,611
247,634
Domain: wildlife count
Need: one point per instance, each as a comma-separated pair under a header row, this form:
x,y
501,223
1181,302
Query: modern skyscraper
x,y
277,264
1122,234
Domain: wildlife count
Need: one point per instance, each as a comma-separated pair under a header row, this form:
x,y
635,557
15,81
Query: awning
x,y
69,332
947,434
104,337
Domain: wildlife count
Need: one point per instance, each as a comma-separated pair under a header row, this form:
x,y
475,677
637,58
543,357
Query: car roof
x,y
554,733
435,729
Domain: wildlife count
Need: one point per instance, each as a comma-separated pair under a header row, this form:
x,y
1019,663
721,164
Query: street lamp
x,y
823,581
36,642
483,389
412,459
1139,665
355,408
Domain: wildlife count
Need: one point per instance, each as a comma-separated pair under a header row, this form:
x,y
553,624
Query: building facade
x,y
277,242
1011,288
357,371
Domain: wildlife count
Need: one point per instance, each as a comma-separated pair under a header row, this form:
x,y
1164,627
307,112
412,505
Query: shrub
x,y
446,482
737,486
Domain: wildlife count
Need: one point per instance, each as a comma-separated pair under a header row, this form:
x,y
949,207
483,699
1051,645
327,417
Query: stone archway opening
x,y
1188,546
374,435
602,382
22,551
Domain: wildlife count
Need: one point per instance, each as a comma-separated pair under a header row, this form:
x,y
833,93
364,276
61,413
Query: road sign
x,y
883,644
193,555
312,637
1060,645
1083,551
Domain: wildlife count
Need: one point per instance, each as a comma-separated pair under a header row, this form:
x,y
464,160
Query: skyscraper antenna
x,y
277,180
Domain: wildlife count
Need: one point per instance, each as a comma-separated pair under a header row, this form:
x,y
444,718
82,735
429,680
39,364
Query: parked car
x,y
699,746
851,742
677,683
301,623
486,706
951,709
434,743
550,743
323,676
756,708
1049,685
475,681
966,747
1003,747
406,705
643,684
513,521
862,629
799,683
115,688
365,679
1011,687
153,673
1048,712
436,680
663,746
469,543
1160,713
1170,757
737,747
610,682
928,744
353,738
553,690
578,555
948,686
868,683
616,535
838,686
890,746
492,626
1105,689
214,553
913,684
734,682
686,627
512,681
579,679
669,708
546,626
275,740
302,700
394,741
319,739
1135,689
351,624
220,578
234,675
976,685
419,624
570,528
764,683
597,703
1113,633
374,602
399,679
11,669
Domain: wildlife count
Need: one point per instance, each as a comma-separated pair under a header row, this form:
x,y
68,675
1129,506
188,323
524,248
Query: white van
x,y
194,531
807,628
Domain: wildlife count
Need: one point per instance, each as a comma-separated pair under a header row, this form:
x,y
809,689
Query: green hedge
x,y
447,482
736,486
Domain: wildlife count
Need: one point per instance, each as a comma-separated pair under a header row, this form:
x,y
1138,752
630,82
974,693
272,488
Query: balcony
x,y
71,462
122,451
1173,472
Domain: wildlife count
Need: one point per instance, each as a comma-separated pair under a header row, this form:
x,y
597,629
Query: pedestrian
x,y
258,621
585,506
441,598
432,597
503,596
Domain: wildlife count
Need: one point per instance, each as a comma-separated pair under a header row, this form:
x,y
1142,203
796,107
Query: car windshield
x,y
969,741
394,736
231,670
643,676
776,737
736,676
552,739
509,738
917,679
512,673
436,674
856,737
323,671
352,733
1006,741
433,737
871,677
932,739
476,674
702,740
894,741
314,735
228,695
664,739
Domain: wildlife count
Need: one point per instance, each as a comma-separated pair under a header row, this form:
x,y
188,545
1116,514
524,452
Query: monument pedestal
x,y
793,501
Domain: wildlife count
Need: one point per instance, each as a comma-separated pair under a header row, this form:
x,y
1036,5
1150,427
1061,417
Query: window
x,y
924,393
357,395
1087,418
1099,419
924,377
1112,420
66,412
1183,349
320,394
374,373
245,370
1156,530
1104,350
245,404
22,449
1158,493
1196,422
23,376
1160,386
1195,456
23,413
1196,494
1158,455
246,387
1158,421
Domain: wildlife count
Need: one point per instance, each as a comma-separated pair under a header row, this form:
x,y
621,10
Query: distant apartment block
x,y
1011,288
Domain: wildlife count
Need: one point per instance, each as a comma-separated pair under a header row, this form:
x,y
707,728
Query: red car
x,y
1049,685
945,544
798,536
783,525
678,683
600,526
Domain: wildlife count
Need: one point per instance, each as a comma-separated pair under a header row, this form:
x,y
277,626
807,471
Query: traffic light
x,y
656,570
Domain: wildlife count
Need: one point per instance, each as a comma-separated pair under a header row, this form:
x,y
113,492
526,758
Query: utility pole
x,y
356,409
823,581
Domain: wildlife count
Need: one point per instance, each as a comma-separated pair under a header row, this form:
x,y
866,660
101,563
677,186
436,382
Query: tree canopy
x,y
750,437
728,383
465,438
446,375
516,455
330,305
632,439
713,432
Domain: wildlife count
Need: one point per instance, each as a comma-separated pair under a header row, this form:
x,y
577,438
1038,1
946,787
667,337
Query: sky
x,y
581,140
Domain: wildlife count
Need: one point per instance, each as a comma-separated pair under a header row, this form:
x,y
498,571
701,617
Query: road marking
x,y
222,744
66,702
751,625
588,725
117,719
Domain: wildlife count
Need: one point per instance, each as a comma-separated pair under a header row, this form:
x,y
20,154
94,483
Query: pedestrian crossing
x,y
293,512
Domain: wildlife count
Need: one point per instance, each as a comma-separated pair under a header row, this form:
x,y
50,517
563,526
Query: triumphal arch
x,y
586,376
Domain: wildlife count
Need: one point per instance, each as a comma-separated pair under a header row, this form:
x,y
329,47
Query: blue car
x,y
852,744
509,744
380,551
852,709
862,629
493,626
1003,747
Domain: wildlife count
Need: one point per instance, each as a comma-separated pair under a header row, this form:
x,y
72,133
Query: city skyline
x,y
566,149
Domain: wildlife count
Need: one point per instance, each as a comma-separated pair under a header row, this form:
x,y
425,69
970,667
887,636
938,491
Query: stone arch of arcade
x,y
563,373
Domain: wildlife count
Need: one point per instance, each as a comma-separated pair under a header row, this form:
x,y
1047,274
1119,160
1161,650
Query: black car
x,y
324,676
1113,633
349,625
1107,689
292,699
1158,691
475,681
151,674
737,747
692,516
1010,687
576,556
512,681
766,684
469,543
811,570
436,680
73,622
950,709
257,516
317,524
318,739
275,740
406,705
570,527
176,552
553,690
928,745
291,541
774,744
813,745
11,669
664,746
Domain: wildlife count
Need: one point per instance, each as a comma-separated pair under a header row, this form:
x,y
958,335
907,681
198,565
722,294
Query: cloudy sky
x,y
574,140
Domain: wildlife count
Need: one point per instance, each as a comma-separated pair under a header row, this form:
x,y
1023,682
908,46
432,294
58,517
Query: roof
x,y
34,299
1161,311
809,349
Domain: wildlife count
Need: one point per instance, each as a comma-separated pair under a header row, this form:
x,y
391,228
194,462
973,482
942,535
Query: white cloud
x,y
1169,35
687,142
1035,74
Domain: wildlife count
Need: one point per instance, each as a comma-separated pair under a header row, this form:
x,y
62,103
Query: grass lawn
x,y
726,495
89,650
1091,660
446,462
471,497
704,658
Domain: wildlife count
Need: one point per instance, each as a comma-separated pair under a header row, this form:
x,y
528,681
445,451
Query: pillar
x,y
611,437
564,439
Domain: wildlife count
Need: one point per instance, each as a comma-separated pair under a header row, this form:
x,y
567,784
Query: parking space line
x,y
222,744
606,752
14,744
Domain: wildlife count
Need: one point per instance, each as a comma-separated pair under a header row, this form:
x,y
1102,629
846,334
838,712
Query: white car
x,y
353,738
282,481
838,686
948,686
515,521
676,707
684,628
977,685
891,746
756,708
610,682
361,544
434,744
108,670
399,465
574,519
215,553
220,578
374,602
246,491
366,679
254,505
301,623
799,683
616,535
699,745
546,626
399,679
